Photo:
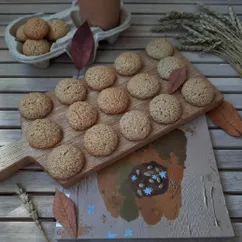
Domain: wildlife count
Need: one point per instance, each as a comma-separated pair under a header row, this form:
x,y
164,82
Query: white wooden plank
x,y
137,19
2,43
226,159
108,56
229,159
28,84
134,8
67,70
227,85
11,101
12,207
28,232
9,135
9,119
220,139
231,181
46,84
32,181
40,181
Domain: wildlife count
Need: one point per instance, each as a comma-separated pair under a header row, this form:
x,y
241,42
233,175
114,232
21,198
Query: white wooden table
x,y
17,79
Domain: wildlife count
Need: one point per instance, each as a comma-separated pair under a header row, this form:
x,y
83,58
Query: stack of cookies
x,y
37,35
113,100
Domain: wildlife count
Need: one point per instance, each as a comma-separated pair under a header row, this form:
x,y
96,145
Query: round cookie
x,y
100,77
167,65
159,48
143,86
70,90
128,63
65,161
135,125
36,28
57,29
81,115
35,47
43,134
113,100
20,34
165,109
35,105
101,140
198,91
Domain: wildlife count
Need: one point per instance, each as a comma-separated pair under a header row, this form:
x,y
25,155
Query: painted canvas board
x,y
168,189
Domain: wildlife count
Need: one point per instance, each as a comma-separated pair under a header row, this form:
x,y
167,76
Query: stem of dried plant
x,y
29,206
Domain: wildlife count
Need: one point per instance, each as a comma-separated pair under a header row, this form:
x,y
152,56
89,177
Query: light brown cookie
x,y
35,47
128,63
36,28
35,105
100,77
65,161
143,86
20,34
198,91
81,115
113,100
165,109
167,65
70,90
159,48
57,29
43,134
135,125
101,140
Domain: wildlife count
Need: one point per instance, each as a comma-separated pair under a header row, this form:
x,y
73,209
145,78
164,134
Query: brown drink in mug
x,y
100,13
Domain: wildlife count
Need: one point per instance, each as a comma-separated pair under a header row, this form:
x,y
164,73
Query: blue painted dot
x,y
162,174
128,233
90,209
148,190
134,177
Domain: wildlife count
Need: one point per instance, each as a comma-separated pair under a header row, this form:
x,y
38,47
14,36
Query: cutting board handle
x,y
13,157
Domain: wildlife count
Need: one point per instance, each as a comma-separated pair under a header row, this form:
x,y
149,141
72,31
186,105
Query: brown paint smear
x,y
112,182
167,204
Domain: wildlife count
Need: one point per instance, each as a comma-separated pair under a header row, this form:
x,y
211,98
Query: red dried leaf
x,y
176,79
226,117
82,46
64,212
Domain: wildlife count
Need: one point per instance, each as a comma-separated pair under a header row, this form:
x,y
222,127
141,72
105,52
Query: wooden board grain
x,y
93,164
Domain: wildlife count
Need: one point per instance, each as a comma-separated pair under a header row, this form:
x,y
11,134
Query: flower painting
x,y
147,182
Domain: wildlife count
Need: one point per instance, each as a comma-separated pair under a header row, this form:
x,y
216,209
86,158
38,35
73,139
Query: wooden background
x,y
17,79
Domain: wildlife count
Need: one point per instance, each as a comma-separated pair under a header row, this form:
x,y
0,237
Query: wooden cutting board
x,y
13,156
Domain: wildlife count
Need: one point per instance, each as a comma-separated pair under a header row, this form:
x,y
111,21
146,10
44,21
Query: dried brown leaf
x,y
82,46
64,212
176,79
226,117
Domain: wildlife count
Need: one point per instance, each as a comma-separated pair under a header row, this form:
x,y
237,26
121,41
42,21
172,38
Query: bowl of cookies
x,y
36,39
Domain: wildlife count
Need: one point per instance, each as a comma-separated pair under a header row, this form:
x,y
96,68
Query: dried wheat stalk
x,y
29,206
208,31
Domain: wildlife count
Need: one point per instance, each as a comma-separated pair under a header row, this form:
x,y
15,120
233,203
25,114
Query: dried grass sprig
x,y
208,31
29,206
